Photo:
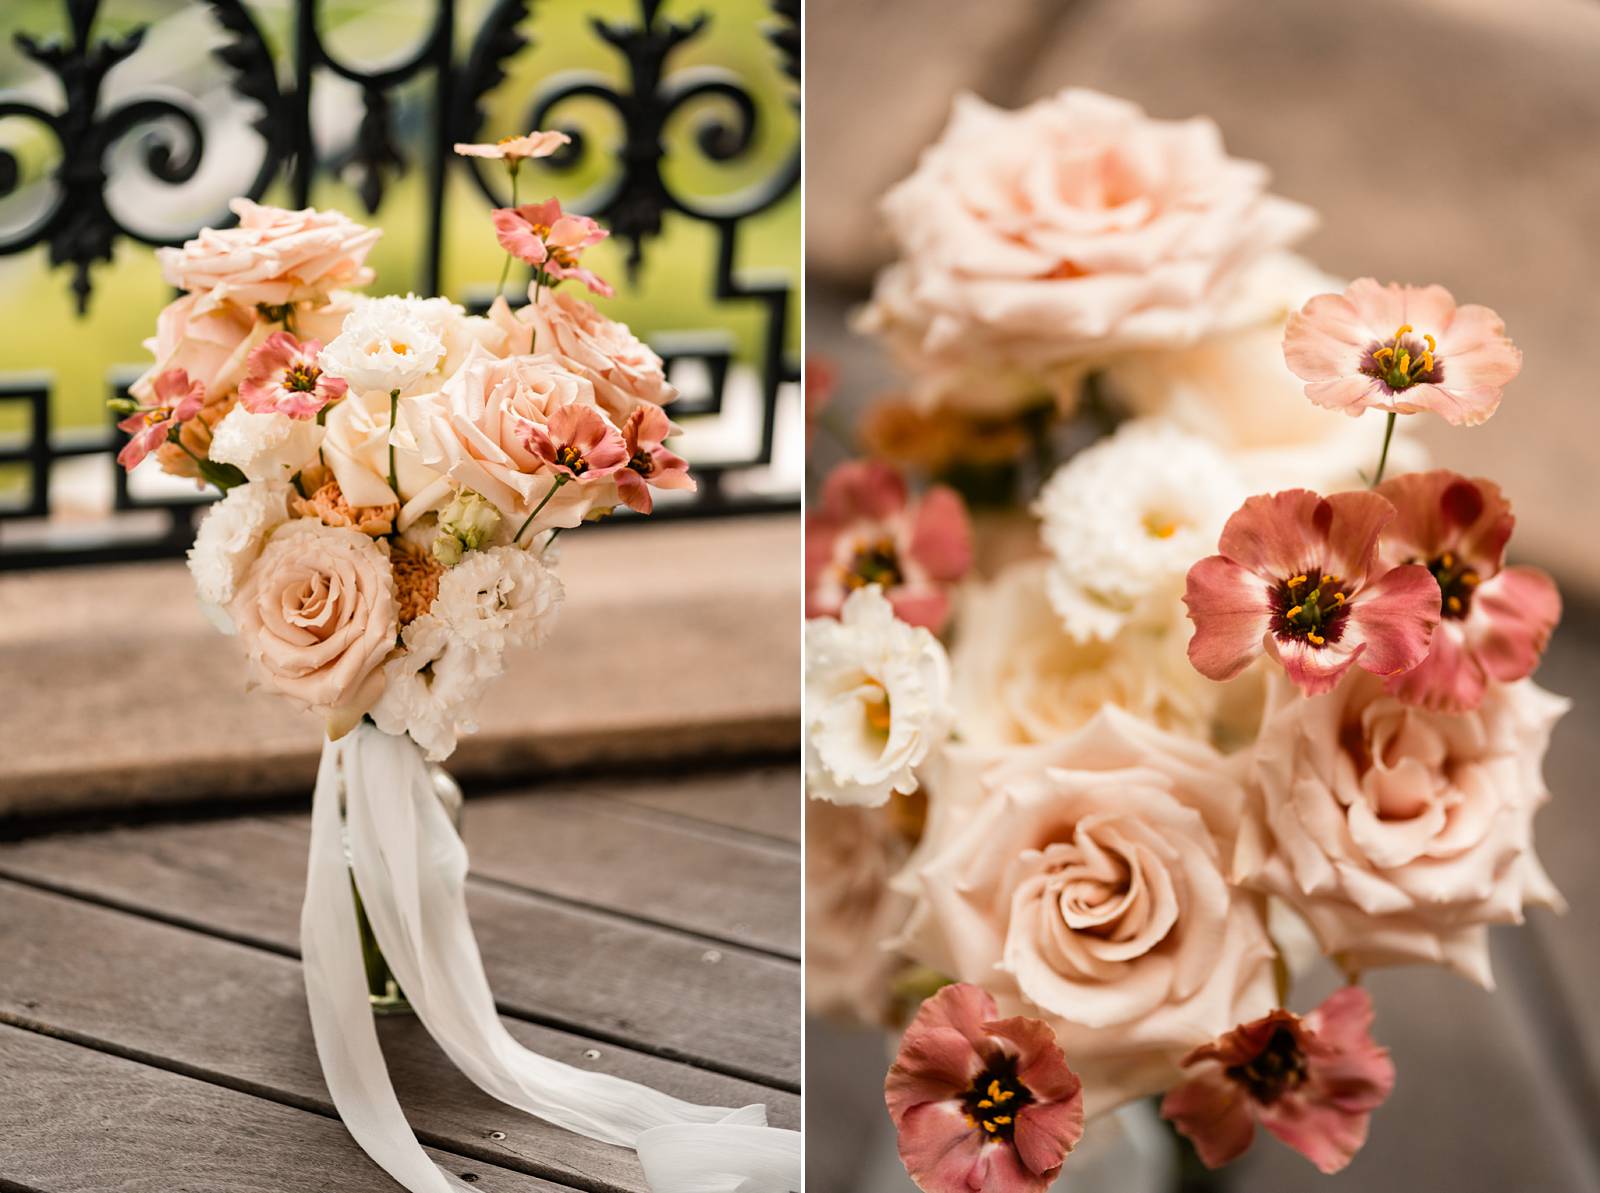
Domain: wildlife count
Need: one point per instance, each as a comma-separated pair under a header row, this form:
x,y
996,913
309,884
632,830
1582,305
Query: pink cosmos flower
x,y
982,1104
544,236
174,400
649,463
578,443
515,149
282,376
1299,576
1403,349
866,532
1495,620
1313,1082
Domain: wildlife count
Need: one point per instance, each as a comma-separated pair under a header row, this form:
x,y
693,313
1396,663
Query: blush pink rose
x,y
1398,833
625,373
1298,576
317,615
1403,349
1494,620
478,431
1034,241
866,531
1087,885
271,258
211,347
1313,1082
982,1104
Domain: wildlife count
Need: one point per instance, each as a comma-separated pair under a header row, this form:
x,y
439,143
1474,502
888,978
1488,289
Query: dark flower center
x,y
1404,361
1307,611
875,562
1457,581
991,1105
571,458
301,378
642,462
1275,1070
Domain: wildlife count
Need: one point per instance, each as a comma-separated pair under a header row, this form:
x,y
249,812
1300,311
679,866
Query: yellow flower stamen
x,y
1296,611
1315,639
1453,603
1296,580
1002,1120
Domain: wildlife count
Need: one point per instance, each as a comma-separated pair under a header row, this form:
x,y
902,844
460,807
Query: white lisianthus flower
x,y
1126,518
877,700
228,541
265,447
384,345
431,689
500,598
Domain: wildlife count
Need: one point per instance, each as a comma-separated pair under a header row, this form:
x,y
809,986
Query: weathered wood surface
x,y
724,624
168,950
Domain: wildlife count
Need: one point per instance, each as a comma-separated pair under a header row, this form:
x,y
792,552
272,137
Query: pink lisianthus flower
x,y
579,444
982,1104
545,237
1299,576
282,376
174,400
516,149
649,463
1402,349
1495,620
1313,1082
865,531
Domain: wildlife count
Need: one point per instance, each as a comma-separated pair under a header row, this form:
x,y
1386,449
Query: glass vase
x,y
383,989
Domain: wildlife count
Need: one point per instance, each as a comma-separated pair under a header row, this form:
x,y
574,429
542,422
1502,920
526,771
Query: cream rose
x,y
625,373
1089,887
475,432
356,450
1034,241
877,700
1398,833
1020,678
272,258
317,615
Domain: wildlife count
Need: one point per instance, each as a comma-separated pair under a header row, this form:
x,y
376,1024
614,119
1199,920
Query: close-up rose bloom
x,y
316,615
1034,242
1400,834
1089,886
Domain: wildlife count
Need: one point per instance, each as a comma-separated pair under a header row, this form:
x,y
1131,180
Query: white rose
x,y
877,700
357,451
383,346
265,446
230,538
1126,518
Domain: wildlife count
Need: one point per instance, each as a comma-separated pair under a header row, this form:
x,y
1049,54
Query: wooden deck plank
x,y
722,1007
236,1015
75,1120
660,869
767,802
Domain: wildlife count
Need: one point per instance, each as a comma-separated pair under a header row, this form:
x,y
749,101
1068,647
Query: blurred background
x,y
1442,140
130,122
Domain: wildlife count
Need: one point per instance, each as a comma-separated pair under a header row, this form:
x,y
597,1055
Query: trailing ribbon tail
x,y
410,867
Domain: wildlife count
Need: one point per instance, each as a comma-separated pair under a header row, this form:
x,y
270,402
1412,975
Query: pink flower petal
x,y
1395,618
941,535
863,489
1213,1113
1518,611
1231,613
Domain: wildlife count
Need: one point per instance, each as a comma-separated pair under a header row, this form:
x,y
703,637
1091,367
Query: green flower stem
x,y
560,480
1383,456
394,411
505,270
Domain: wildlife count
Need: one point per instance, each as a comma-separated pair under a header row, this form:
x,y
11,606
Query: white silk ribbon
x,y
410,867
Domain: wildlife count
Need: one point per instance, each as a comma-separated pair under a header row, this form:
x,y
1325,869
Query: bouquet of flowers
x,y
394,474
1146,660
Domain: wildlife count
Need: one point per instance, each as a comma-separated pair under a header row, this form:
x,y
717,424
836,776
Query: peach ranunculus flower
x,y
1494,620
1403,349
625,373
211,347
271,258
982,1104
1089,886
1034,243
515,149
317,616
476,433
1298,576
1398,833
1312,1080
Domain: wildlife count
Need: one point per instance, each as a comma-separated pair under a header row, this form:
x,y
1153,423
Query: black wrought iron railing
x,y
97,131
